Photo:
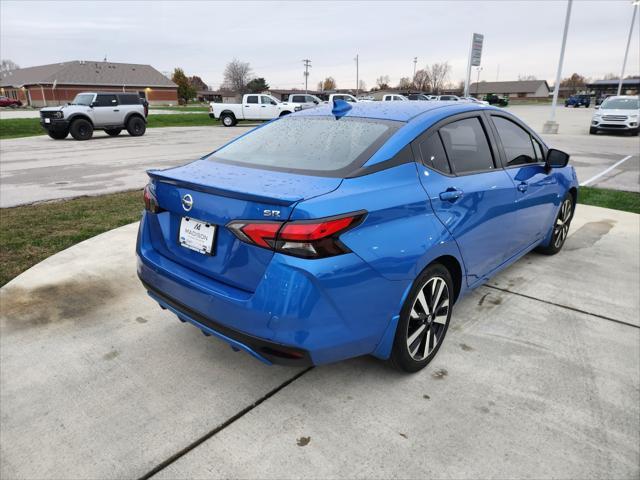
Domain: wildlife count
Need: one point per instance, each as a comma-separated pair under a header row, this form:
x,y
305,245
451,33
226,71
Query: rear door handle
x,y
451,195
523,186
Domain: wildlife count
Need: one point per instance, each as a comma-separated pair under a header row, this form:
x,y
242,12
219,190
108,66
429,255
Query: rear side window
x,y
516,142
466,145
252,99
433,154
298,99
128,99
105,101
310,145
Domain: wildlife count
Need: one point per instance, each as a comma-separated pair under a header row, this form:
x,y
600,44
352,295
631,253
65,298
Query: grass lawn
x,y
28,127
600,197
55,226
187,108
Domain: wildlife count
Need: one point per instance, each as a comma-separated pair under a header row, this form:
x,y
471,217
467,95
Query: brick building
x,y
58,83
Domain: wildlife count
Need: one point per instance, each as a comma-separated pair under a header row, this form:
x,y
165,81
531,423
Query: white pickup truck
x,y
305,100
253,107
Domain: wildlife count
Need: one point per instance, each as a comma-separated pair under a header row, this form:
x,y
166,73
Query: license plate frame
x,y
197,235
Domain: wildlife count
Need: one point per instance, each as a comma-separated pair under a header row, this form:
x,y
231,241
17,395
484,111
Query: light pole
x,y
307,64
357,75
478,81
551,126
415,62
626,52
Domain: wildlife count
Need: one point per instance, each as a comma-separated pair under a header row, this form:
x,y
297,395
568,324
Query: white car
x,y
304,100
473,100
617,114
449,98
253,107
394,97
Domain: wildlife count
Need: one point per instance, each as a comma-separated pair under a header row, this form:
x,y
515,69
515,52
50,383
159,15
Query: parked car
x,y
253,107
578,101
304,100
394,97
342,96
366,98
311,239
473,100
617,114
9,102
89,111
494,99
448,98
418,96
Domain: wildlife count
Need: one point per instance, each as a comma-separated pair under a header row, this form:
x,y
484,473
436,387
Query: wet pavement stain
x,y
589,234
141,320
440,374
426,397
466,347
32,308
404,435
303,441
111,355
481,302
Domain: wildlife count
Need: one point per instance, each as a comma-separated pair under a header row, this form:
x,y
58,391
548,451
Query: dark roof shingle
x,y
82,72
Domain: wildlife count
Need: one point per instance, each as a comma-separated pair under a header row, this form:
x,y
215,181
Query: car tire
x,y
593,131
424,320
228,119
58,134
136,126
113,132
560,227
282,114
81,129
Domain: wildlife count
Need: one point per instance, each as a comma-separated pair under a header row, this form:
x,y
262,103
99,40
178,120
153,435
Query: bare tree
x,y
439,74
383,82
405,84
574,83
8,65
320,86
236,75
611,76
329,84
422,81
362,86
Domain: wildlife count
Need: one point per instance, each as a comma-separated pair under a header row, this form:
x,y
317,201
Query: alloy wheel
x,y
561,228
428,318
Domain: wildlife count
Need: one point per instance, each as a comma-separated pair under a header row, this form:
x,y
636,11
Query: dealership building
x,y
533,89
58,83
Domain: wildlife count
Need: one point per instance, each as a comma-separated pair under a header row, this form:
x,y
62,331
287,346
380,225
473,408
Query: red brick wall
x,y
65,93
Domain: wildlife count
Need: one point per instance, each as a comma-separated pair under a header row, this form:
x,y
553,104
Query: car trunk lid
x,y
222,193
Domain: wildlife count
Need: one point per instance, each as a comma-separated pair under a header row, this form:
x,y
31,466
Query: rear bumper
x,y
303,312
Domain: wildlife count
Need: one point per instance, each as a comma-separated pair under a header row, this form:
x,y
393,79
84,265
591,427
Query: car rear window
x,y
323,146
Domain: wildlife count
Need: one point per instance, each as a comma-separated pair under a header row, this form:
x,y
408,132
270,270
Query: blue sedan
x,y
351,229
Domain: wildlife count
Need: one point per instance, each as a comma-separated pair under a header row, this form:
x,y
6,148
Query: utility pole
x,y
307,64
626,52
415,62
551,126
478,81
357,75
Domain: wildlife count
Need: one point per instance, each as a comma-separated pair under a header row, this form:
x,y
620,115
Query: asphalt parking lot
x,y
537,376
39,168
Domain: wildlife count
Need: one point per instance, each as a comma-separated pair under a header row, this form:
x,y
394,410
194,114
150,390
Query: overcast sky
x,y
521,37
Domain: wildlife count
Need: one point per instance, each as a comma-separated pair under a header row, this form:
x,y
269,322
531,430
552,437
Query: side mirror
x,y
556,159
597,107
93,104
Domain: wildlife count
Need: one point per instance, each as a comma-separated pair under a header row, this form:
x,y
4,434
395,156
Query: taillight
x,y
150,200
306,239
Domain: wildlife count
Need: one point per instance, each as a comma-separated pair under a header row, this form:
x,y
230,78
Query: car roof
x,y
397,111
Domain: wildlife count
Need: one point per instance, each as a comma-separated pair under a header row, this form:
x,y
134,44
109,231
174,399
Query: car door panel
x,y
106,111
476,207
536,188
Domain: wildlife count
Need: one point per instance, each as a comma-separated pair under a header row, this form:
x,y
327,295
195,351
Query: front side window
x,y
106,101
83,99
433,154
466,145
252,99
267,100
517,142
314,145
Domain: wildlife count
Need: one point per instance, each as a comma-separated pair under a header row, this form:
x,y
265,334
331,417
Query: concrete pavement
x,y
538,377
38,168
